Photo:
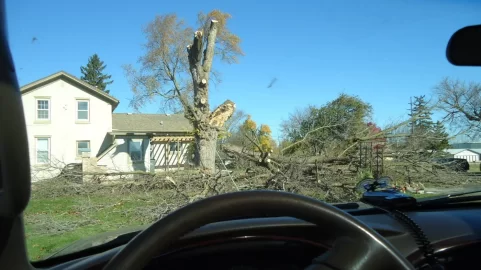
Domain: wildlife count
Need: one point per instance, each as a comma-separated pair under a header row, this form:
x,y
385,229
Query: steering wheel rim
x,y
370,249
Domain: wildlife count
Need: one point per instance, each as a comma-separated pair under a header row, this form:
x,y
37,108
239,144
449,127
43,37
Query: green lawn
x,y
60,214
53,223
474,167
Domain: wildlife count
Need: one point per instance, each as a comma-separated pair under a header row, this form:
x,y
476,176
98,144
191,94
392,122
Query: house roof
x,y
457,151
139,122
454,151
476,151
466,145
74,81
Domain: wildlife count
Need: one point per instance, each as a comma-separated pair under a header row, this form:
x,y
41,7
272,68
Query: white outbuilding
x,y
471,155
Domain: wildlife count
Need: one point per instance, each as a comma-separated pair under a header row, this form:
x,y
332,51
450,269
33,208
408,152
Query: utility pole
x,y
411,114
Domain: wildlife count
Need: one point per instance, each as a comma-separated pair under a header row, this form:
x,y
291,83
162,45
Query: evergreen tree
x,y
439,138
426,135
422,113
93,73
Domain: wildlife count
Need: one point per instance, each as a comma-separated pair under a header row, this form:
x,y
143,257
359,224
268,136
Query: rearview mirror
x,y
464,47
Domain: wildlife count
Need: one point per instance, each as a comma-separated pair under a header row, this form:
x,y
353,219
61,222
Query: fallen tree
x,y
274,163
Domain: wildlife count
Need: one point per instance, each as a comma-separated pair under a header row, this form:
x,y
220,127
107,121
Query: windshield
x,y
135,110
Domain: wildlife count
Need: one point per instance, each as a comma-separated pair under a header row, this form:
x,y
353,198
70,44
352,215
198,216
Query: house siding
x,y
118,159
109,146
468,155
62,128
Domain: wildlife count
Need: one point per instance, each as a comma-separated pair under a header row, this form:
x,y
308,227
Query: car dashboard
x,y
289,243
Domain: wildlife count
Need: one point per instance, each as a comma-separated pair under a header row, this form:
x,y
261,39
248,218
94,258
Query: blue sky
x,y
382,51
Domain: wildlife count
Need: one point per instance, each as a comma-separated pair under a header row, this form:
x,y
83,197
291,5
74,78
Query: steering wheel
x,y
357,247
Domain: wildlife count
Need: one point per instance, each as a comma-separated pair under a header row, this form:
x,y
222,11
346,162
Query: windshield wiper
x,y
452,198
393,199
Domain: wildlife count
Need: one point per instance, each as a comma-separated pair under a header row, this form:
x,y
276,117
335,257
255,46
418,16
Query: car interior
x,y
252,229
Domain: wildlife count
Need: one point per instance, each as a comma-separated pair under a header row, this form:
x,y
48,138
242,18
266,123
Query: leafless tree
x,y
177,72
461,102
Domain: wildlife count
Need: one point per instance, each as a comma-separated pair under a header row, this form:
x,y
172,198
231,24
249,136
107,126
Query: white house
x,y
471,155
68,119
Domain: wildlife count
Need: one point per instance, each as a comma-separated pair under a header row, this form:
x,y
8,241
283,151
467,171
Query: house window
x,y
83,110
83,147
43,109
174,146
43,150
135,149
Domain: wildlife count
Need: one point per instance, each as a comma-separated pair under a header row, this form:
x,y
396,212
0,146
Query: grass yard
x,y
53,223
474,167
62,212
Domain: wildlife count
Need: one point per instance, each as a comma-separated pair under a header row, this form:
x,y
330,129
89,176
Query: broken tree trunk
x,y
206,125
204,155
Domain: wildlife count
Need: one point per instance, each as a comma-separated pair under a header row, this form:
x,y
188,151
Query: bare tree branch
x,y
307,135
209,51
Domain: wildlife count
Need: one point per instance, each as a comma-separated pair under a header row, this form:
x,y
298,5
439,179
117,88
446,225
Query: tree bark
x,y
206,125
204,156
